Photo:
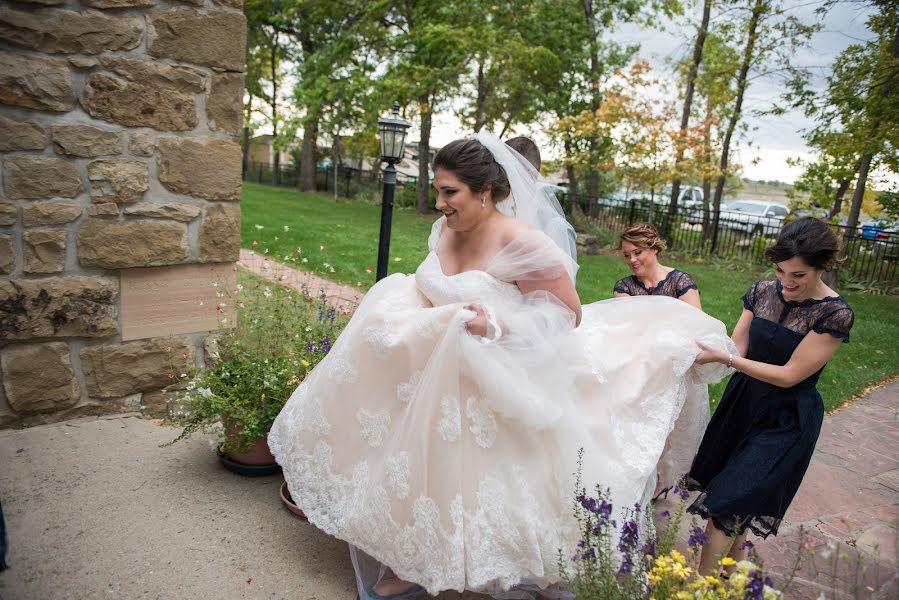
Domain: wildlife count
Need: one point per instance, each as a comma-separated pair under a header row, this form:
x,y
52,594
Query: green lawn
x,y
349,233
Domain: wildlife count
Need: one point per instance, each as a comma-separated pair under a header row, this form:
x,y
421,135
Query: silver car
x,y
755,217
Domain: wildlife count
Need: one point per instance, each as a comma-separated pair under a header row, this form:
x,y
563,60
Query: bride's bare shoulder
x,y
511,228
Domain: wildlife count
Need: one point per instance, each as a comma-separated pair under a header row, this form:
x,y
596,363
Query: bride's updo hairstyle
x,y
474,166
810,239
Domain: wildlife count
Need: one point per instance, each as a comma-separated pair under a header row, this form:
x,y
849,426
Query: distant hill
x,y
773,191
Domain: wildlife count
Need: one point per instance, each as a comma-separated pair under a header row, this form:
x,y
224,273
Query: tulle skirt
x,y
450,462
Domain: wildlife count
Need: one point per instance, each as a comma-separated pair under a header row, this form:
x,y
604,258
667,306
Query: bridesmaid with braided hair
x,y
641,246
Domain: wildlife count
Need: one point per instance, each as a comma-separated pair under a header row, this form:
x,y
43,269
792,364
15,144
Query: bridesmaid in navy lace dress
x,y
641,246
761,438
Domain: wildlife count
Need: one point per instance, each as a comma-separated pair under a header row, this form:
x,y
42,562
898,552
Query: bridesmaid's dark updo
x,y
475,166
810,239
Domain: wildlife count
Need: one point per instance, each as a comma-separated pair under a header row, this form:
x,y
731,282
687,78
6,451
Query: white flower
x,y
205,392
286,228
305,260
239,287
258,226
215,284
267,293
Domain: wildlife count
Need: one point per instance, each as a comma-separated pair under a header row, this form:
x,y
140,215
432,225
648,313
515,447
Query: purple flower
x,y
627,565
684,493
630,534
590,554
665,514
697,538
755,588
747,545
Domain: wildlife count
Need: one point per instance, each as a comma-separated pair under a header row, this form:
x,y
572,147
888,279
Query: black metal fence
x,y
872,255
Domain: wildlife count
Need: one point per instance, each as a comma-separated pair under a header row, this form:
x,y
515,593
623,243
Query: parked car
x,y
754,216
885,235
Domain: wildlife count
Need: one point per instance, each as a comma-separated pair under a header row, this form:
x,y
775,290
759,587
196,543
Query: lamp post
x,y
393,140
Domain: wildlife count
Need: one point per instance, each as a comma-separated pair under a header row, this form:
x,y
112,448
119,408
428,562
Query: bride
x,y
440,435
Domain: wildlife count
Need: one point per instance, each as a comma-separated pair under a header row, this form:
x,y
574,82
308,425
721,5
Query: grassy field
x,y
339,241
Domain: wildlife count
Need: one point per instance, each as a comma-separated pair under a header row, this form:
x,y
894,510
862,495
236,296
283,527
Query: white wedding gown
x,y
451,460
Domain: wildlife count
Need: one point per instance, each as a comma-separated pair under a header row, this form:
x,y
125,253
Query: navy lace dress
x,y
760,440
676,284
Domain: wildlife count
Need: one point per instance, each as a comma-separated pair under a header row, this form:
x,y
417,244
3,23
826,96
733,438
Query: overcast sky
x,y
775,139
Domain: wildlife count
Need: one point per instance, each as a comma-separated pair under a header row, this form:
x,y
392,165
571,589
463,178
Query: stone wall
x,y
118,129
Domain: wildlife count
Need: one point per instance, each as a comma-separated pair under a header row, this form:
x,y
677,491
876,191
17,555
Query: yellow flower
x,y
727,561
678,557
304,362
738,581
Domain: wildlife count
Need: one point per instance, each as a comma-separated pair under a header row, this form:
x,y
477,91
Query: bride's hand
x,y
477,325
710,354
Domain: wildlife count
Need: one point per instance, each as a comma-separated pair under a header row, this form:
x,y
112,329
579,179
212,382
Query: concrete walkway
x,y
96,509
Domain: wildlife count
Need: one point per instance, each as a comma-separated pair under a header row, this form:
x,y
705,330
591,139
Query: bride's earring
x,y
483,201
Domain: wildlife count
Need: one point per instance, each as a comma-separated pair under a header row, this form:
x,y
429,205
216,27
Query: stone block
x,y
68,31
45,250
21,135
39,177
106,209
231,3
219,239
44,2
214,38
120,181
224,103
138,104
7,213
39,377
7,254
141,144
59,307
86,141
155,404
105,4
204,168
155,73
132,243
36,82
50,213
176,211
116,370
83,62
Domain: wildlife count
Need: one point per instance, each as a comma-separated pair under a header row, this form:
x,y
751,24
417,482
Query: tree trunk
x,y
572,178
424,147
245,159
855,206
688,103
276,162
596,100
758,8
837,205
706,169
306,180
481,99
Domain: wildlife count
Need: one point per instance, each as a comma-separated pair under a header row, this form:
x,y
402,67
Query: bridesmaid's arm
x,y
812,353
691,297
620,295
740,336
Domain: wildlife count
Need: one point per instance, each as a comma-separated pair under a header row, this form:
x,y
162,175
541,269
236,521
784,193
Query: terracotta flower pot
x,y
258,454
288,501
